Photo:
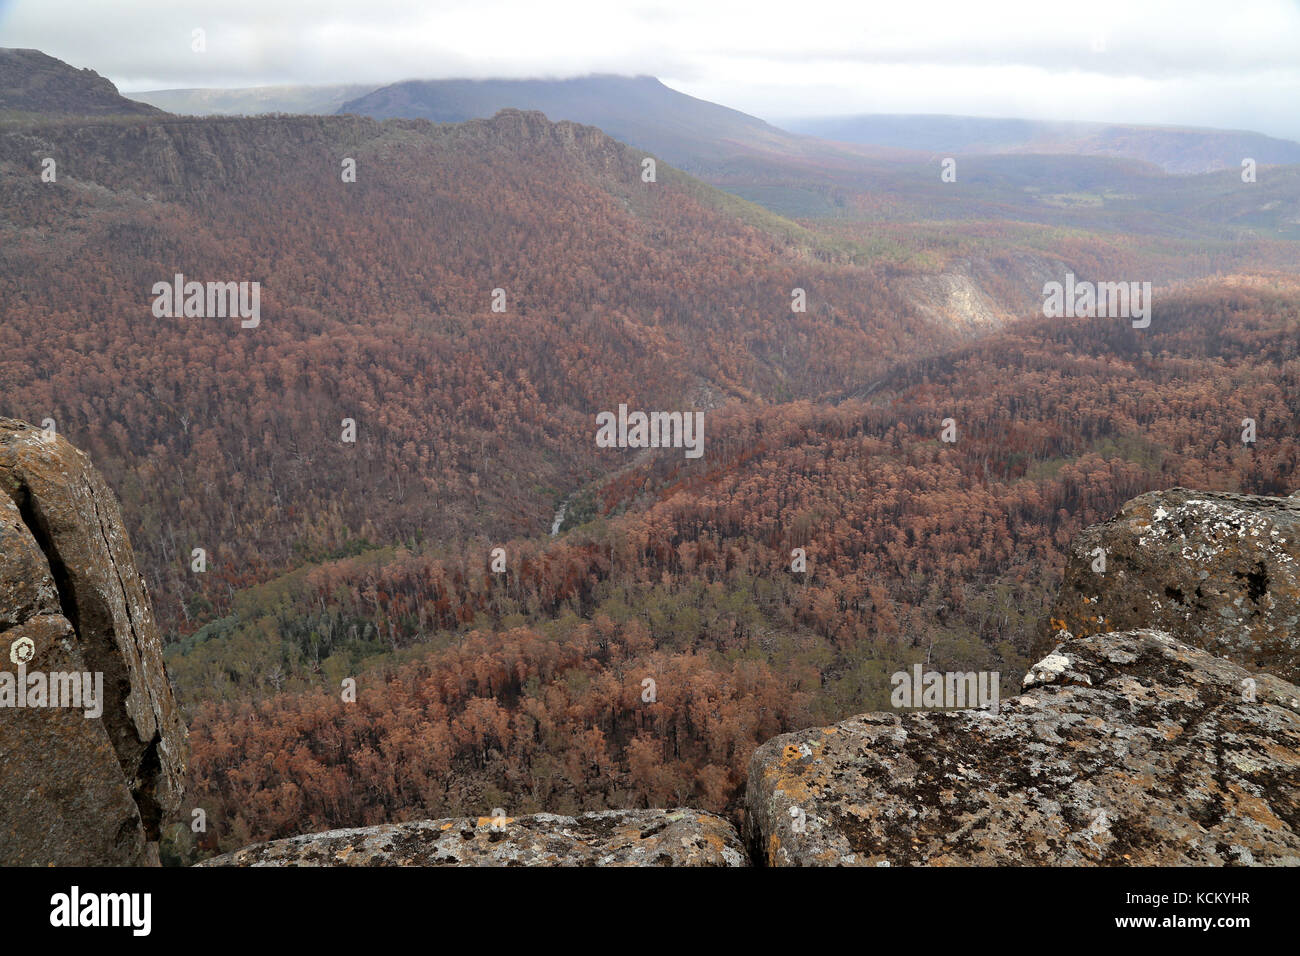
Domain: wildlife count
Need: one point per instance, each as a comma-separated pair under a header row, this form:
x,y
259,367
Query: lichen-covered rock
x,y
1124,749
76,789
606,838
1218,571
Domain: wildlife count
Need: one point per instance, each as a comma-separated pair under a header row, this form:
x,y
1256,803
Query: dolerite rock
x,y
606,838
1218,571
78,789
1123,749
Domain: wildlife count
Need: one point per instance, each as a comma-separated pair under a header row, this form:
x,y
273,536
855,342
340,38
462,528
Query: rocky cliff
x,y
84,784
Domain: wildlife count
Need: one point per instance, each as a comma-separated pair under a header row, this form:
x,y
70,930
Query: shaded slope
x,y
32,82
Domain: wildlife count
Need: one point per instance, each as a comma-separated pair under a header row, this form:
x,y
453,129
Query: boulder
x,y
607,838
1218,571
1123,749
78,788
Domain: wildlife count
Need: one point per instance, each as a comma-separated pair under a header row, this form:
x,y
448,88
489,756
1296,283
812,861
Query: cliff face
x,y
179,158
76,786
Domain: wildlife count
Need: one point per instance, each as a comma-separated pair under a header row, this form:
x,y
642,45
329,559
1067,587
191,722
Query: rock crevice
x,y
78,790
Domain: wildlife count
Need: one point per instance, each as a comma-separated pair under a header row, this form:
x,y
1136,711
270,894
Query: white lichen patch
x,y
1049,669
1217,525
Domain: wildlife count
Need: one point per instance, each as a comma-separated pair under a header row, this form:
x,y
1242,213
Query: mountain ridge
x,y
35,82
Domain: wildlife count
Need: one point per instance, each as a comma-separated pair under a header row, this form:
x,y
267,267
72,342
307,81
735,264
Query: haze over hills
x,y
698,135
254,100
1110,178
1173,149
691,133
639,110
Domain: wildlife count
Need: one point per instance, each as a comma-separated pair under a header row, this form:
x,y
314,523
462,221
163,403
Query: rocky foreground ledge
x,y
1124,749
607,838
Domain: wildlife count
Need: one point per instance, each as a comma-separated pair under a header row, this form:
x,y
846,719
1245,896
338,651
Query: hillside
x,y
376,306
32,82
916,549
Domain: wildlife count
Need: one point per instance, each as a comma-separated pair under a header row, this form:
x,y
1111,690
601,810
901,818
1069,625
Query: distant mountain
x,y
1174,149
32,82
255,100
690,133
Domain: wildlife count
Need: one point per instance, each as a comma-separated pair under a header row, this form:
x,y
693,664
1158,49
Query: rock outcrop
x,y
1218,571
77,787
607,838
1124,749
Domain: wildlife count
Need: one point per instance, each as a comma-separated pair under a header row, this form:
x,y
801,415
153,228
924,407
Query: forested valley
x,y
688,609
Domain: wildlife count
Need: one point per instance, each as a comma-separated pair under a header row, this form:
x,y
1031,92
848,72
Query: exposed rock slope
x,y
608,838
1124,749
77,789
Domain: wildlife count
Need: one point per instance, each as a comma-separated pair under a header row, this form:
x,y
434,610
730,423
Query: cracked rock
x,y
78,790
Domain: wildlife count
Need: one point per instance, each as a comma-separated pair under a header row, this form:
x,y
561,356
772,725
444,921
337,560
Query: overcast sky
x,y
1226,63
